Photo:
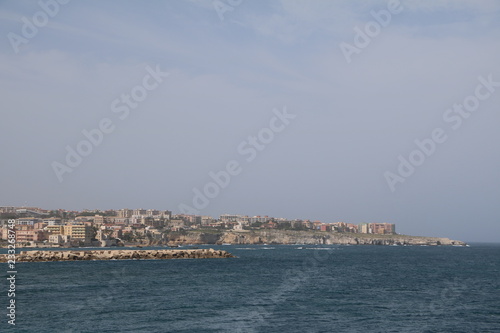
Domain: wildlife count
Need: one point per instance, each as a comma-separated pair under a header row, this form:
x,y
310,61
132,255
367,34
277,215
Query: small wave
x,y
322,248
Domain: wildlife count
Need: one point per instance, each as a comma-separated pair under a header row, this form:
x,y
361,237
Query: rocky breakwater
x,y
35,256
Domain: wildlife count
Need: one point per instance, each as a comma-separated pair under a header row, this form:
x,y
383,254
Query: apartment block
x,y
78,231
27,221
125,213
377,228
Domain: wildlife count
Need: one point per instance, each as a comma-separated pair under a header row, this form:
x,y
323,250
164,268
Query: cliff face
x,y
305,237
194,238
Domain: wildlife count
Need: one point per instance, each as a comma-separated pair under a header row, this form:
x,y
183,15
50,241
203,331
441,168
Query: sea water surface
x,y
274,288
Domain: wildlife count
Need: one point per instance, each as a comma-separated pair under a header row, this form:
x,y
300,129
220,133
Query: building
x,y
74,231
26,233
53,221
238,226
192,219
364,228
270,225
8,209
125,213
206,220
317,225
383,228
32,211
27,221
78,231
377,228
84,218
229,218
296,224
152,212
307,224
99,220
55,239
139,212
325,227
260,219
245,220
150,221
54,229
176,224
351,227
118,220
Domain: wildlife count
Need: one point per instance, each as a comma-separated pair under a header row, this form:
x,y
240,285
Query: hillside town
x,y
62,228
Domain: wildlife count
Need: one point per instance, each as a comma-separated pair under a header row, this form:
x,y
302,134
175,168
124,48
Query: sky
x,y
353,111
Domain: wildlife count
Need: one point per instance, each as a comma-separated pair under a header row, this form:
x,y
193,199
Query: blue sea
x,y
273,288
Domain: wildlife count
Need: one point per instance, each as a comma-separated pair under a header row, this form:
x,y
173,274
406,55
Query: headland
x,y
309,237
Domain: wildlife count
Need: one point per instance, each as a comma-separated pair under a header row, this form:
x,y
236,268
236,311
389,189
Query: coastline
x,y
283,237
290,237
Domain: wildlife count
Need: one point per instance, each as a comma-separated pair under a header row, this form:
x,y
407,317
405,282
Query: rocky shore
x,y
34,256
303,237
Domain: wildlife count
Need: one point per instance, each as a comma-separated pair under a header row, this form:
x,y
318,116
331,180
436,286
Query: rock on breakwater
x,y
35,256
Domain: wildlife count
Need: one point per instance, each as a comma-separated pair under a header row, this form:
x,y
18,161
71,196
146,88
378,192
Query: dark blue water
x,y
268,289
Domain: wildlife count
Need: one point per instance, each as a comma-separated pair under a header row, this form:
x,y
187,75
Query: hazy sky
x,y
349,105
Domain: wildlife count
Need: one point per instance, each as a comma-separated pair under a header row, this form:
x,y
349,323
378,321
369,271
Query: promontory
x,y
300,237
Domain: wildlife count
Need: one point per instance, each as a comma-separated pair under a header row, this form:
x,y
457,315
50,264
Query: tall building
x,y
139,212
152,212
364,228
125,213
78,231
377,228
167,214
